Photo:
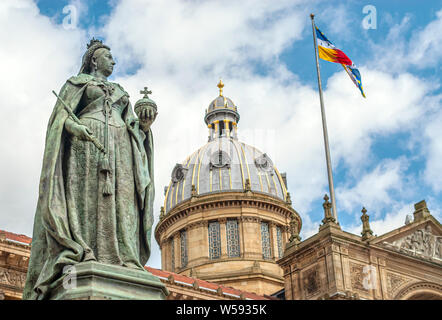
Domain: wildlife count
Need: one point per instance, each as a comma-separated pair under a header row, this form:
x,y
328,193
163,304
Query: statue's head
x,y
97,57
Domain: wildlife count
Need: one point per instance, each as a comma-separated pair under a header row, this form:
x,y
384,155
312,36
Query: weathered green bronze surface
x,y
95,204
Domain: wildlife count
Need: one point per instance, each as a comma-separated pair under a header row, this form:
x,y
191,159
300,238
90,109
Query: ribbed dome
x,y
221,102
224,164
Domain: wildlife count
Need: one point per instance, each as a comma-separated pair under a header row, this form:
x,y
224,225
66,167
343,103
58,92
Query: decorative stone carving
x,y
328,216
394,282
219,159
264,163
288,200
311,281
357,276
294,231
12,278
418,286
421,243
366,233
193,191
247,186
178,173
250,219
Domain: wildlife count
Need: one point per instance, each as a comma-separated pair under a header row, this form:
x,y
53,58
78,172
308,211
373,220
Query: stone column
x,y
252,237
223,237
164,248
273,240
198,248
285,235
295,283
337,267
226,127
216,133
330,268
241,237
177,251
346,268
383,279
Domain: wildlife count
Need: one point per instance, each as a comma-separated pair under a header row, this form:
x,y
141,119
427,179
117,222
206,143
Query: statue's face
x,y
105,62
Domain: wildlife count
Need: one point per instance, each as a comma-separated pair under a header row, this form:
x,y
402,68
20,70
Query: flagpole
x,y
324,126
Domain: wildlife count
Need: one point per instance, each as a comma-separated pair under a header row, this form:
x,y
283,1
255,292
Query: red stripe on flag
x,y
341,57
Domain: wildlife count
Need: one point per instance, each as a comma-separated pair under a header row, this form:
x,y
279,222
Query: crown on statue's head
x,y
94,42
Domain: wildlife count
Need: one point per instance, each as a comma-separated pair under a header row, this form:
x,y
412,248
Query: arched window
x,y
183,237
214,240
265,240
233,249
172,254
279,241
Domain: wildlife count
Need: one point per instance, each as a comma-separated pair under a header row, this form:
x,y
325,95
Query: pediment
x,y
422,240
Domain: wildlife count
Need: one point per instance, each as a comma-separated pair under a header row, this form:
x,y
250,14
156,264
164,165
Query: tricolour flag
x,y
327,51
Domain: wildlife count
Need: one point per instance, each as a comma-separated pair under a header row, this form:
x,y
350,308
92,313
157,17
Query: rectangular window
x,y
172,253
232,238
214,240
183,237
265,240
279,240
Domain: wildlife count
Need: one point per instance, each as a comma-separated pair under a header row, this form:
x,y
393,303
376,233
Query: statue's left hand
x,y
147,115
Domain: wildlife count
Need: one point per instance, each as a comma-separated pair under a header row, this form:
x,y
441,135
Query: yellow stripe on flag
x,y
327,54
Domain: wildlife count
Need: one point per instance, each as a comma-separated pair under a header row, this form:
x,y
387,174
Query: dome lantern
x,y
222,116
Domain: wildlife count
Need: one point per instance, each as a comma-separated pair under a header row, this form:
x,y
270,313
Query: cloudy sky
x,y
386,149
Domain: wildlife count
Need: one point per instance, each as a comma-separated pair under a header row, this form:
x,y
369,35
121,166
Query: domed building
x,y
227,212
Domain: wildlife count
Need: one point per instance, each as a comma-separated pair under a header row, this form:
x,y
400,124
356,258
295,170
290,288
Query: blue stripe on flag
x,y
321,36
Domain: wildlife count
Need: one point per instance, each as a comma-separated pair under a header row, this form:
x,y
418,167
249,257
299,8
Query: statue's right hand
x,y
78,130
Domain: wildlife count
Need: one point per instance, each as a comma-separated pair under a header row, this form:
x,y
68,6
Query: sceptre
x,y
74,117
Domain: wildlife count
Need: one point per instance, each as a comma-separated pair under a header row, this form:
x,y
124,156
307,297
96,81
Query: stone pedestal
x,y
96,281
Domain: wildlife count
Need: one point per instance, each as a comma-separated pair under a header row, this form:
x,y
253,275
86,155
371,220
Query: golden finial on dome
x,y
220,86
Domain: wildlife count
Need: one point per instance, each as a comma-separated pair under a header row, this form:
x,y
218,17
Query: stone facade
x,y
333,264
14,259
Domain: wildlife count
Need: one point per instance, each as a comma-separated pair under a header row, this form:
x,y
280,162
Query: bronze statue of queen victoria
x,y
95,203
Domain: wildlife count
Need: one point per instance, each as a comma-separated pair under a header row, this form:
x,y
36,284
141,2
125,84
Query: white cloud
x,y
433,150
425,46
192,37
393,219
422,50
373,190
37,57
